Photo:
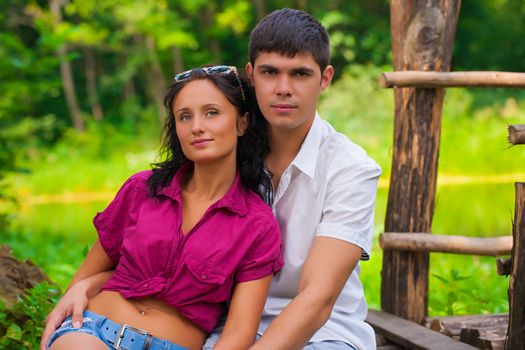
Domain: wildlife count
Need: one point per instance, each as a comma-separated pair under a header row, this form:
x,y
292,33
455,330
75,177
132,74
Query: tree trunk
x,y
260,9
516,330
178,60
67,73
91,84
213,43
302,5
422,35
155,77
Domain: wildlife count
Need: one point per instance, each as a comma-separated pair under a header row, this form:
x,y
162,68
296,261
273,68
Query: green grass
x,y
57,235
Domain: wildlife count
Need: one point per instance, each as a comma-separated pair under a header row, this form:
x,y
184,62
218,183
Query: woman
x,y
188,238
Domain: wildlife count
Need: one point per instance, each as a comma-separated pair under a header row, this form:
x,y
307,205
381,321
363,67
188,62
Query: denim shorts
x,y
114,335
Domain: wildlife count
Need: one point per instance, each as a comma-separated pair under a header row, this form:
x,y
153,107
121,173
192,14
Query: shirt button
x,y
203,276
146,285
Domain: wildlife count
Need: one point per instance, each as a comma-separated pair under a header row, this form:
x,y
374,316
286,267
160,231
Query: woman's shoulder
x,y
257,207
139,180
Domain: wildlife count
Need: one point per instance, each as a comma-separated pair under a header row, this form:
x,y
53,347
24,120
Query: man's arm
x,y
328,266
244,314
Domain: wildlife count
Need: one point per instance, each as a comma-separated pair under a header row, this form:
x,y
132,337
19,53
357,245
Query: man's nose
x,y
284,87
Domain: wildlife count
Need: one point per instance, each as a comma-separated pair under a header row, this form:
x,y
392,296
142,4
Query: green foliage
x,y
356,106
22,324
456,294
487,37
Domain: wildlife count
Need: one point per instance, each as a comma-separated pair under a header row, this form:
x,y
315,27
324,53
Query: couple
x,y
192,241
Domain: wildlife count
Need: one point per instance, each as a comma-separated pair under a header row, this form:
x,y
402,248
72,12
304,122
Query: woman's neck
x,y
211,181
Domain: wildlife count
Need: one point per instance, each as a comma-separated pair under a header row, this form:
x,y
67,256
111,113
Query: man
x,y
324,194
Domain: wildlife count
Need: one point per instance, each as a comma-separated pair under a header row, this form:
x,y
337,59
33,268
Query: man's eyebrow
x,y
267,67
303,70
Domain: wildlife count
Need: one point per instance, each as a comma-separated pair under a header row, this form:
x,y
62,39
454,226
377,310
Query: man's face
x,y
287,88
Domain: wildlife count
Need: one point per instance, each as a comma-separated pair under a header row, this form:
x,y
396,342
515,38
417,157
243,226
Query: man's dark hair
x,y
290,32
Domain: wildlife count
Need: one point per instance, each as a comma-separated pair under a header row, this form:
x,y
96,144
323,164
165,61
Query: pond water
x,y
480,210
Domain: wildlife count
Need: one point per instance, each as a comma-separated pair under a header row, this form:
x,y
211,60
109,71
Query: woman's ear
x,y
242,124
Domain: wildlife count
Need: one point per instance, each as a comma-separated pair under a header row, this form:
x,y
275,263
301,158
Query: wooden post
x,y
422,34
516,333
517,134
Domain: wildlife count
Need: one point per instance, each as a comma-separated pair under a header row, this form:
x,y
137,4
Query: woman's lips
x,y
201,142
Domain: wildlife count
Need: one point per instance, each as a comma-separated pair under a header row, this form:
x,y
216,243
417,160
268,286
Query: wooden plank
x,y
517,134
482,331
422,34
516,340
424,242
468,321
389,347
452,79
411,335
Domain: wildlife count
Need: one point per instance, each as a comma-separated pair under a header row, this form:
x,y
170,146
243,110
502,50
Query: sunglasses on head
x,y
212,70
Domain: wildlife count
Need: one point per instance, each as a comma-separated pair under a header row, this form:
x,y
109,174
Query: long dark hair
x,y
252,147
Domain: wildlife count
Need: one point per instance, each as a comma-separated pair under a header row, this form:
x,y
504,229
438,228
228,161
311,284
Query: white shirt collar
x,y
306,159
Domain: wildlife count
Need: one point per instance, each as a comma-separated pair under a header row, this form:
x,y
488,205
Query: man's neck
x,y
284,147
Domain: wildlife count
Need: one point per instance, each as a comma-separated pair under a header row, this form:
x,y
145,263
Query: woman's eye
x,y
212,113
184,117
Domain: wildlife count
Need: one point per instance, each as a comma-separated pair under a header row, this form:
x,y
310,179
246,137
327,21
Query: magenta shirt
x,y
237,240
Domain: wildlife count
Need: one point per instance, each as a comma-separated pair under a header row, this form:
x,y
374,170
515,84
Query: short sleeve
x,y
348,212
264,257
115,219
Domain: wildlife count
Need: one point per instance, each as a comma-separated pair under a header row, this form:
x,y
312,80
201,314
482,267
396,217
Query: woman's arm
x,y
90,277
244,315
96,261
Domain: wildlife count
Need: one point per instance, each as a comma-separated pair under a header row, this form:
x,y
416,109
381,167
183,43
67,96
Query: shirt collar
x,y
234,200
306,159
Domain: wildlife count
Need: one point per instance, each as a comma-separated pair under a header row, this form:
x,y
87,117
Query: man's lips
x,y
283,107
201,142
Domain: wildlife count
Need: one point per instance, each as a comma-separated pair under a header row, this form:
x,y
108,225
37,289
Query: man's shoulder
x,y
338,149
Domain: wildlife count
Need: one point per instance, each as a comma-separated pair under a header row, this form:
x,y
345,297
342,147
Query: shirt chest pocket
x,y
205,273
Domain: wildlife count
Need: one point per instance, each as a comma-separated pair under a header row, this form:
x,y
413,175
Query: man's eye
x,y
301,74
268,72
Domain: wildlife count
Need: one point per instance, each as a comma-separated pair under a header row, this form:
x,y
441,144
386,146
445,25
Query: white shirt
x,y
329,190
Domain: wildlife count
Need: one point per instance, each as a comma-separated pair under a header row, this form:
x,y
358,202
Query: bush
x,y
22,324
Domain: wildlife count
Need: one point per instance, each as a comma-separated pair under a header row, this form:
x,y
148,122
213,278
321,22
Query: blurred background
x,y
81,89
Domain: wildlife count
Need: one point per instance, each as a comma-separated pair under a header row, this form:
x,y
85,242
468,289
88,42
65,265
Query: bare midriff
x,y
152,315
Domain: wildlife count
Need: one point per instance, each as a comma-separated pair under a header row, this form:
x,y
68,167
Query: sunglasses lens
x,y
218,69
183,76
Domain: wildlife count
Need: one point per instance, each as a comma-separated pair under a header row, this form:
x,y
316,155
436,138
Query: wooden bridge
x,y
422,35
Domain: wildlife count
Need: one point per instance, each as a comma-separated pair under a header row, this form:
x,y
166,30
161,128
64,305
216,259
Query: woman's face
x,y
207,124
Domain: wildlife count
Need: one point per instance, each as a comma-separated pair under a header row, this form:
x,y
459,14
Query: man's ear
x,y
326,77
242,124
249,71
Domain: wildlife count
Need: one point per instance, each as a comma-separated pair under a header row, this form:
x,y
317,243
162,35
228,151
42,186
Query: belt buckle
x,y
121,334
